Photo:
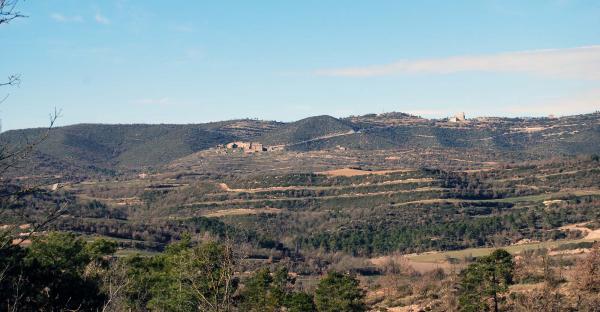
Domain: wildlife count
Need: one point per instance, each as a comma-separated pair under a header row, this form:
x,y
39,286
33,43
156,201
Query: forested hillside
x,y
96,148
107,148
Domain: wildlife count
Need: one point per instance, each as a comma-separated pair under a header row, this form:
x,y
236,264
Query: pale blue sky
x,y
120,61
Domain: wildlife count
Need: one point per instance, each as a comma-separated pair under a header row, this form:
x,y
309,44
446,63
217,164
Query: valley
x,y
313,207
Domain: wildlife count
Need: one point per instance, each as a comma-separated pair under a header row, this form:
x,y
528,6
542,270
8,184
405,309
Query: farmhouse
x,y
247,147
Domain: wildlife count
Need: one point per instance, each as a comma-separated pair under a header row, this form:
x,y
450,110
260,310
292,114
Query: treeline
x,y
159,234
63,272
457,229
313,179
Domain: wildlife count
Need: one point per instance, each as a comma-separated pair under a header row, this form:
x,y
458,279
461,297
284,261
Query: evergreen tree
x,y
484,281
337,292
256,295
50,275
300,302
266,291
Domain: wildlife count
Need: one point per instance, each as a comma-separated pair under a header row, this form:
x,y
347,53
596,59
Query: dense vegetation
x,y
63,272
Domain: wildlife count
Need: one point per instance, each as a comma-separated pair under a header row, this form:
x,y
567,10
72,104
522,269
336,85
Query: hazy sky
x,y
119,61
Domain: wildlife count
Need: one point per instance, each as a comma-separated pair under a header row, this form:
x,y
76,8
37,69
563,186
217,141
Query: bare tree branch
x,y
8,12
9,159
12,80
38,226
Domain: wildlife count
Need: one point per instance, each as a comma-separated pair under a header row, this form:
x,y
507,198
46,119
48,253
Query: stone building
x,y
460,117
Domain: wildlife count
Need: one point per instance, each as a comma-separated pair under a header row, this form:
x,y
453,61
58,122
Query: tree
x,y
11,156
50,275
300,302
184,278
587,286
114,281
339,292
12,265
256,295
546,298
11,274
8,11
485,281
272,291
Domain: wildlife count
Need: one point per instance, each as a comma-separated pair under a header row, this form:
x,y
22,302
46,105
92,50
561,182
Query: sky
x,y
149,61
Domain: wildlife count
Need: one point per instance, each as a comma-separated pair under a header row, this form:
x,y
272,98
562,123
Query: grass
x,y
122,252
127,252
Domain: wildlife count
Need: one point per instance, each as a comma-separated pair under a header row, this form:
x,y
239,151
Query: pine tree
x,y
484,281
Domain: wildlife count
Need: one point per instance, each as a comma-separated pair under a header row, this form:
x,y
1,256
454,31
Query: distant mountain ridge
x,y
101,147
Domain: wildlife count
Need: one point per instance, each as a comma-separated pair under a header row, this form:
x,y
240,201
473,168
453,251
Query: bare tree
x,y
8,13
212,281
10,156
587,280
13,155
114,280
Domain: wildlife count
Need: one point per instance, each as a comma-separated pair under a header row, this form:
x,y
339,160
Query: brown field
x,y
225,187
428,261
419,266
240,212
588,233
349,172
441,257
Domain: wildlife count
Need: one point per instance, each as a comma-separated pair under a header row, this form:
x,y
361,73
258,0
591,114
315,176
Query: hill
x,y
99,148
308,129
569,135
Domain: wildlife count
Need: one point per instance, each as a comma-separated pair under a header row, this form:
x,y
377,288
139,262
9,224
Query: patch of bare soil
x,y
587,233
519,288
419,266
570,252
431,201
226,188
240,212
525,241
350,172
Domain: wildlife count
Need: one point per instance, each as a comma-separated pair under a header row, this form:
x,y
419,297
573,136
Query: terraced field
x,y
386,217
363,207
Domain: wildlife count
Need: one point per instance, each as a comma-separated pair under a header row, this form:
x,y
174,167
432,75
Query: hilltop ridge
x,y
102,148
